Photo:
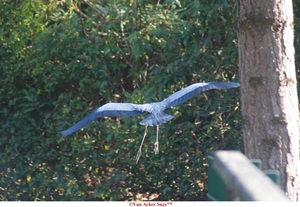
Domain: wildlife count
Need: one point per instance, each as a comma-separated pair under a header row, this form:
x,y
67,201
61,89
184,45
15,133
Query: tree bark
x,y
269,99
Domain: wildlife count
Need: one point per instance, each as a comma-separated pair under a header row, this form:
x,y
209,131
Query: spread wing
x,y
190,91
109,109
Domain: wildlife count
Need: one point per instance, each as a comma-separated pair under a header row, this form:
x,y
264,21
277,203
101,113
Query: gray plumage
x,y
156,114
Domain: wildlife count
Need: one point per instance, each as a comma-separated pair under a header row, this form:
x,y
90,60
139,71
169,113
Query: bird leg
x,y
140,149
156,150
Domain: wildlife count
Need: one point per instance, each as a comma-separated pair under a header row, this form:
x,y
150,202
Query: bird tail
x,y
152,120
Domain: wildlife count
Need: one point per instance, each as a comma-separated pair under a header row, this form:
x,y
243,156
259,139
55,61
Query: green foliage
x,y
296,7
61,59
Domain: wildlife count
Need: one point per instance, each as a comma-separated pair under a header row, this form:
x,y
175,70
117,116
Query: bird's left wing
x,y
190,91
109,109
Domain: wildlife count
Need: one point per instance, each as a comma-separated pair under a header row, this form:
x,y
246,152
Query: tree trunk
x,y
269,98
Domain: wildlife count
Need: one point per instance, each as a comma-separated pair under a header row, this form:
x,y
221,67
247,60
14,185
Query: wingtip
x,y
63,134
232,84
236,84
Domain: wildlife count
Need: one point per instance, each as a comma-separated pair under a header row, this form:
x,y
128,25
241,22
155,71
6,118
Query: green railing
x,y
231,176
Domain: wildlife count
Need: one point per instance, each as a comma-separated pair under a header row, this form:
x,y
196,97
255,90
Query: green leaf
x,y
74,19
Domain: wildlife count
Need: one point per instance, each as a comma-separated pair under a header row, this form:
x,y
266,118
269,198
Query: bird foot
x,y
138,156
156,150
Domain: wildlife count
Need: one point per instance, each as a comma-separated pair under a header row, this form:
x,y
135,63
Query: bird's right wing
x,y
109,109
190,91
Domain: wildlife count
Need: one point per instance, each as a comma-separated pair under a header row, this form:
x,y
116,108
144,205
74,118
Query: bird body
x,y
156,114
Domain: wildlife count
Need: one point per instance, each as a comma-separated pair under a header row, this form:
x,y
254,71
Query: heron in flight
x,y
156,115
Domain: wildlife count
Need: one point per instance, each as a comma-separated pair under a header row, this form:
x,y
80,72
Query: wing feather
x,y
190,91
109,109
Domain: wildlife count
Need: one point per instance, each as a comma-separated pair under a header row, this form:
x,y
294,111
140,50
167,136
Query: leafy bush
x,y
61,60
